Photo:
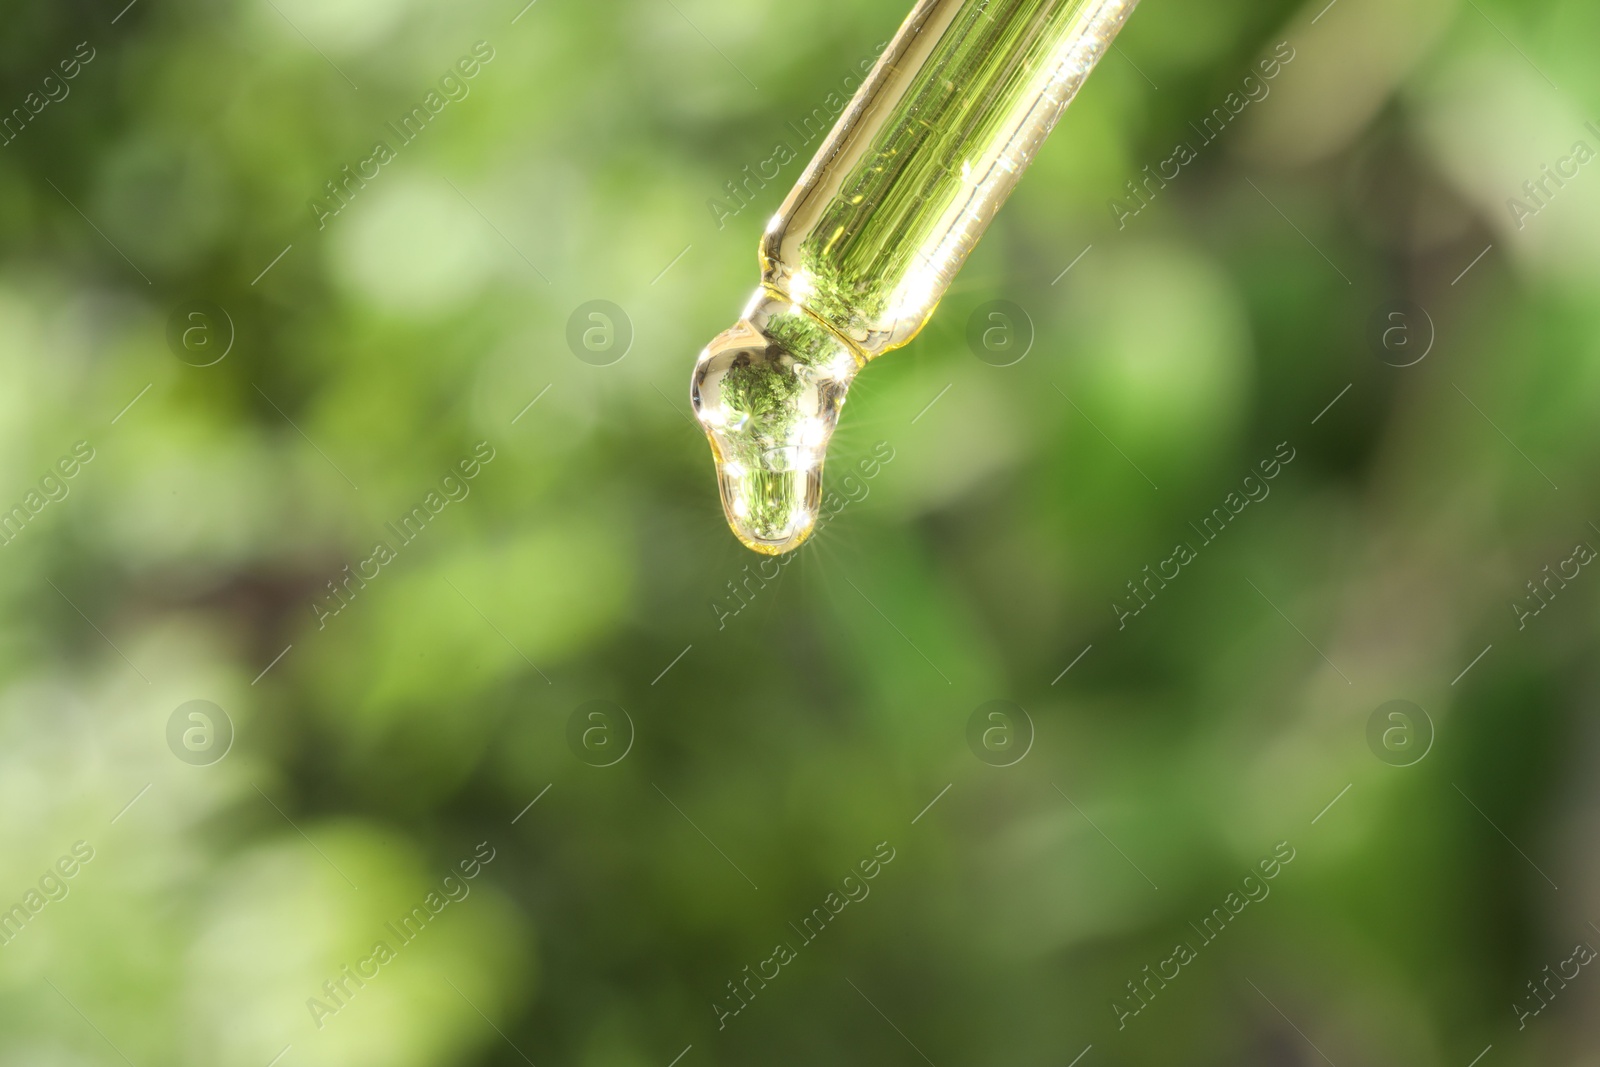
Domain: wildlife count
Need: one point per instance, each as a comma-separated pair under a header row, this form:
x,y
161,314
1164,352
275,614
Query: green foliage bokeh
x,y
773,727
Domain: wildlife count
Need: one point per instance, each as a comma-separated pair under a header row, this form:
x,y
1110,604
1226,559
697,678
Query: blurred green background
x,y
764,738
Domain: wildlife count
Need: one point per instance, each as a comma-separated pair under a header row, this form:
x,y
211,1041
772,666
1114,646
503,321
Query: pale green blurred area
x,y
821,718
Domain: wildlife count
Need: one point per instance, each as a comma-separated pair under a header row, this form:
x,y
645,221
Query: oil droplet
x,y
768,392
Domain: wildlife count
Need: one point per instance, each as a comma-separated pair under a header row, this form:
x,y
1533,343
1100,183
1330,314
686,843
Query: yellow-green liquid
x,y
866,244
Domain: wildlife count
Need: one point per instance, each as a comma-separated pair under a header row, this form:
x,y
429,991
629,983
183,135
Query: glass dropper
x,y
859,255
